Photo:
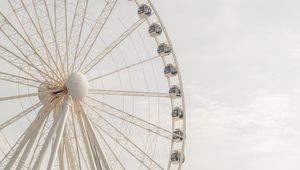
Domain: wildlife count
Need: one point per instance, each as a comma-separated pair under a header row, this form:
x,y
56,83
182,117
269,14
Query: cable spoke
x,y
18,79
86,141
66,34
75,137
96,30
23,21
127,93
100,159
123,68
110,47
54,36
105,108
10,152
19,116
43,33
69,149
60,154
61,29
76,29
19,41
112,156
35,136
128,145
28,95
12,59
19,96
35,150
34,126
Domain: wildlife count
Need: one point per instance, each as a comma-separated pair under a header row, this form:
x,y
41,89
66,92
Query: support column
x,y
61,127
43,113
94,141
57,128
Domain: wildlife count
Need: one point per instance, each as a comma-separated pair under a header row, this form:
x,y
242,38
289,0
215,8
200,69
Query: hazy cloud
x,y
240,62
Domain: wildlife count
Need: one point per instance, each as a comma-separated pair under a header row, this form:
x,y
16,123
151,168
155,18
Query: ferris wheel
x,y
88,84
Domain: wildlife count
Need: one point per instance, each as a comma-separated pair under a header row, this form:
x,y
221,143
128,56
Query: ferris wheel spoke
x,y
18,96
66,61
41,33
69,150
111,46
115,134
18,79
30,57
30,132
122,115
20,115
86,141
123,68
83,158
55,38
6,158
38,141
100,159
70,147
57,117
96,30
15,37
128,93
61,152
112,156
3,57
61,29
75,136
11,57
42,113
24,21
76,29
35,136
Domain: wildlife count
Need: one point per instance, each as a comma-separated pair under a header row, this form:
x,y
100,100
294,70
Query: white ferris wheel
x,y
88,84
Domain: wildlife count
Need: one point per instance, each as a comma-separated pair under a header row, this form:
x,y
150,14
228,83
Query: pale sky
x,y
240,61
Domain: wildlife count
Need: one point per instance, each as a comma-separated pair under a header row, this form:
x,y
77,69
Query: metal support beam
x,y
93,138
43,113
56,128
85,140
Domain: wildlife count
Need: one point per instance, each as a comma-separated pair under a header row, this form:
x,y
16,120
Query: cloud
x,y
261,133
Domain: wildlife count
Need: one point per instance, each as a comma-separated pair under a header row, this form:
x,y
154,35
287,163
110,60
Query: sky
x,y
240,62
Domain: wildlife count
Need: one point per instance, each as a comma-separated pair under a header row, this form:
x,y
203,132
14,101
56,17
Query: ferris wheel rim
x,y
179,77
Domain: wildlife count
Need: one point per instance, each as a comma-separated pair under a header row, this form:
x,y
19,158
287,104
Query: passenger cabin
x,y
164,50
175,92
155,30
170,70
177,135
144,11
177,113
177,157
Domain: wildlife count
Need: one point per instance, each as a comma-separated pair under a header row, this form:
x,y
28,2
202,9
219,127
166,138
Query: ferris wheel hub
x,y
77,85
43,95
48,92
